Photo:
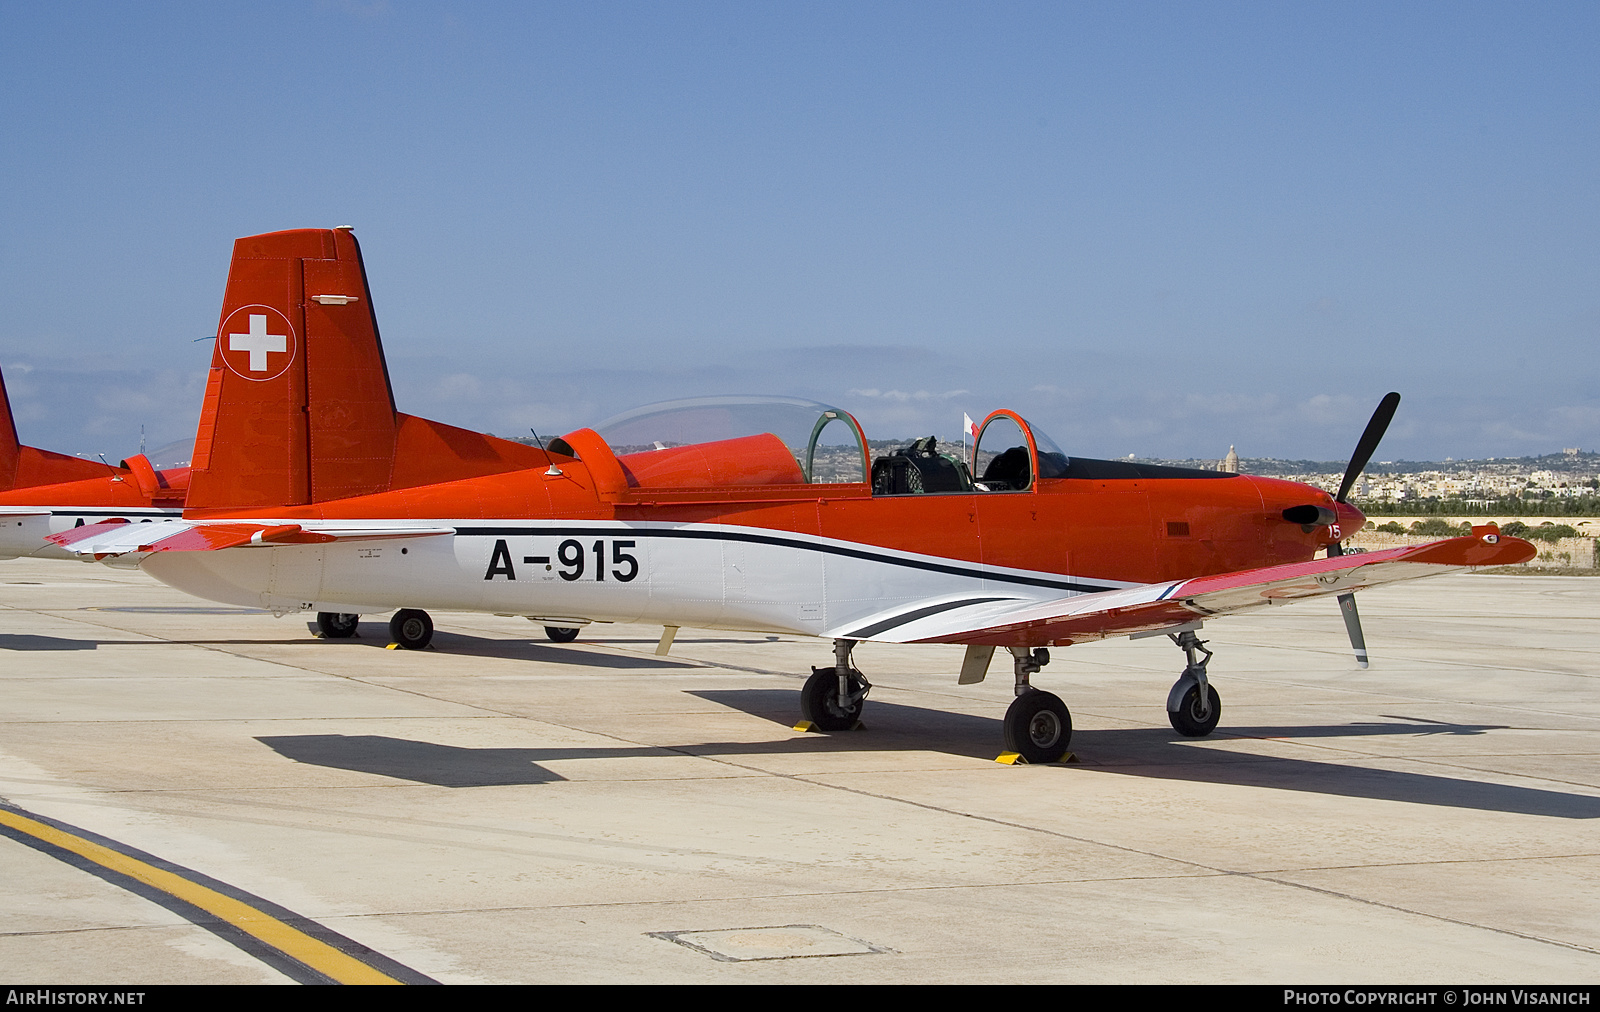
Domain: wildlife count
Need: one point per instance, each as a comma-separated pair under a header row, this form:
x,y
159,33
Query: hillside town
x,y
1563,484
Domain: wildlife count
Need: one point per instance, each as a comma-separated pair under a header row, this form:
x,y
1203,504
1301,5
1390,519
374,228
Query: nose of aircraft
x,y
1350,518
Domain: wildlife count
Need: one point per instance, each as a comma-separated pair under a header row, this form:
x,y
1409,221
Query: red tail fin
x,y
27,466
298,406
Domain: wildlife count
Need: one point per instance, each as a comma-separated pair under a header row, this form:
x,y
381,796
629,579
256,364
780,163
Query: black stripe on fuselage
x,y
142,511
911,616
947,568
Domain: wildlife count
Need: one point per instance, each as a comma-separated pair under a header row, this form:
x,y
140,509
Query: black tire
x,y
411,628
560,634
1188,721
819,701
1038,726
337,626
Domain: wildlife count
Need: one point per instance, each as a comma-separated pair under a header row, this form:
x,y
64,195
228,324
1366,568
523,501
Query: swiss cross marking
x,y
258,342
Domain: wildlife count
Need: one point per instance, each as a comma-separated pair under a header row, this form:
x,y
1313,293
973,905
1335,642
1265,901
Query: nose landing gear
x,y
1193,706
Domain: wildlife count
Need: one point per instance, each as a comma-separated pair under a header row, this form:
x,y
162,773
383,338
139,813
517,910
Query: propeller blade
x,y
1352,625
1352,618
1368,442
1365,447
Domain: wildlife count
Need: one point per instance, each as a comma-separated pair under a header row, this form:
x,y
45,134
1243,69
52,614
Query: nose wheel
x,y
1193,706
1191,719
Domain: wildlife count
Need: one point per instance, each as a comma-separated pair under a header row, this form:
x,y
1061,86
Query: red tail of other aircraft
x,y
27,466
298,406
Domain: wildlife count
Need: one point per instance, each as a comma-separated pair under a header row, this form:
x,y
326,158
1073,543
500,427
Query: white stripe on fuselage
x,y
704,575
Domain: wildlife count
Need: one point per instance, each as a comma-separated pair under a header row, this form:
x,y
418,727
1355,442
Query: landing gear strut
x,y
336,626
1193,706
1037,725
833,697
411,628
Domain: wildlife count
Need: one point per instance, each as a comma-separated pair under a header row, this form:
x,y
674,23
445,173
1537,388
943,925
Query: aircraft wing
x,y
119,537
1157,606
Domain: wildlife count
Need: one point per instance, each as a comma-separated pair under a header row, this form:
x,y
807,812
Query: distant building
x,y
1230,463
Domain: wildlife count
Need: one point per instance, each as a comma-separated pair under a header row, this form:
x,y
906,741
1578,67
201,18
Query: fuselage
x,y
827,560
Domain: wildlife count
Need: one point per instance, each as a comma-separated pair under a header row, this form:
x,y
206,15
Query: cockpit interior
x,y
708,443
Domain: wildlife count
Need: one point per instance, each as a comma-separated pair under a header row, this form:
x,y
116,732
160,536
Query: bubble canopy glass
x,y
826,441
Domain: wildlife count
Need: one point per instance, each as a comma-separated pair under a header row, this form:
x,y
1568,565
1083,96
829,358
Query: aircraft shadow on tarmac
x,y
1144,752
28,641
468,645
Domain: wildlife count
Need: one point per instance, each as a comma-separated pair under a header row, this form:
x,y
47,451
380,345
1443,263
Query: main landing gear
x,y
1193,705
336,626
411,629
1038,725
832,698
560,634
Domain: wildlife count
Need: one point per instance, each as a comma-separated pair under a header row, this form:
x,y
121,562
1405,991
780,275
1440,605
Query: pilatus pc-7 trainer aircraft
x,y
43,492
309,492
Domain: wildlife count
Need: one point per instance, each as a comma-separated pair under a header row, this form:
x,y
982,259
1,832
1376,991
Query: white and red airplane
x,y
309,492
43,493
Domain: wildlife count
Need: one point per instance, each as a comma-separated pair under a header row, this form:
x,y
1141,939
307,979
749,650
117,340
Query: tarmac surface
x,y
502,809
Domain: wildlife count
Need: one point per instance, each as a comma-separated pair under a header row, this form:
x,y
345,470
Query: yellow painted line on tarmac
x,y
291,941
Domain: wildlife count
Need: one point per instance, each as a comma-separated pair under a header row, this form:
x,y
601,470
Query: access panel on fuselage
x,y
1093,529
882,574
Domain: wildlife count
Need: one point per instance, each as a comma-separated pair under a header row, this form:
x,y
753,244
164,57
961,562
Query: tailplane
x,y
298,406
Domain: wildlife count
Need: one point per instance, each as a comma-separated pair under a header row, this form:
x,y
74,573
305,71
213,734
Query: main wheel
x,y
1038,726
1189,721
411,628
337,626
819,701
558,634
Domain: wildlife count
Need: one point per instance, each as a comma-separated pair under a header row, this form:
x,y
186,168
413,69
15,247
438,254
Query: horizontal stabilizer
x,y
118,537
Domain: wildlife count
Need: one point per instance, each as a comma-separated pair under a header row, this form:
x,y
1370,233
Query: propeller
x,y
1365,447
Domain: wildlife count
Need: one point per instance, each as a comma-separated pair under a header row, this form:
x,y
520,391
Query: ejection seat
x,y
919,468
1008,471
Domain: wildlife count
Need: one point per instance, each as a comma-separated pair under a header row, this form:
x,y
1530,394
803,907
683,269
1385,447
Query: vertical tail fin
x,y
10,447
298,407
27,466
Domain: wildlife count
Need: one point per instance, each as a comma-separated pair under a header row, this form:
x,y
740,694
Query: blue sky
x,y
1152,228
